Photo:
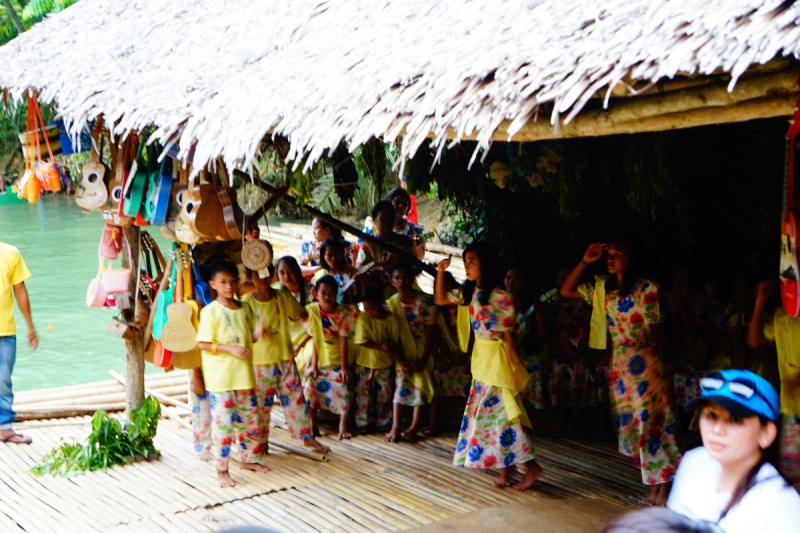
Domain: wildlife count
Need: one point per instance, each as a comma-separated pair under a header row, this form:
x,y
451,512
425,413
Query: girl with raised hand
x,y
328,376
733,480
292,280
626,308
493,430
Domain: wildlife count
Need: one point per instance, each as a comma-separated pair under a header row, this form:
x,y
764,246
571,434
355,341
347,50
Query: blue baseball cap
x,y
742,393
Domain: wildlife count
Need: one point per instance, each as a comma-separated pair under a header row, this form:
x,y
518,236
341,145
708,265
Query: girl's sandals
x,y
21,439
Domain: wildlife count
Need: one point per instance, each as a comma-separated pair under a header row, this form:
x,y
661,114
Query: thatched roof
x,y
319,72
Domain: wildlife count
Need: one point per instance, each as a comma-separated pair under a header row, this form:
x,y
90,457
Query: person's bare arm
x,y
755,333
347,372
237,351
439,290
570,287
21,294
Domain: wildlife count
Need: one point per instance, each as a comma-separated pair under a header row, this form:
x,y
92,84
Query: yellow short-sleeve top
x,y
275,345
376,331
224,372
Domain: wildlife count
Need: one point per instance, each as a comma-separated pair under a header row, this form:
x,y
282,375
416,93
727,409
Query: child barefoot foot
x,y
314,443
225,479
532,474
343,432
205,456
659,494
393,435
502,481
409,436
255,467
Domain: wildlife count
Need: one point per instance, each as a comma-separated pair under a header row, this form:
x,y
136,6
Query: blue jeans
x,y
8,355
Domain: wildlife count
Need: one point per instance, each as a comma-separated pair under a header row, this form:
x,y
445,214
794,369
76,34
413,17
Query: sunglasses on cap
x,y
742,387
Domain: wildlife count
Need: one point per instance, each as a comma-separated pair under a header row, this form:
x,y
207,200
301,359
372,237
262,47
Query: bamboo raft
x,y
366,484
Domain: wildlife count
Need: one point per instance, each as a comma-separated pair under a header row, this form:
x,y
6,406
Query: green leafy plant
x,y
110,443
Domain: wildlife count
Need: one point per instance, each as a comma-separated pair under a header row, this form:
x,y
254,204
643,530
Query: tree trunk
x,y
134,348
12,14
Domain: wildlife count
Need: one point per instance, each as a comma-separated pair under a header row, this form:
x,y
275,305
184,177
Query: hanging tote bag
x,y
116,281
111,242
46,172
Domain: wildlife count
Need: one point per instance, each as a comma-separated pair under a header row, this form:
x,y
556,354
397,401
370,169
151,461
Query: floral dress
x,y
328,389
420,315
487,438
640,396
569,369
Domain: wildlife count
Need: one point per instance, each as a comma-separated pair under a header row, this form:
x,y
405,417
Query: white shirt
x,y
771,506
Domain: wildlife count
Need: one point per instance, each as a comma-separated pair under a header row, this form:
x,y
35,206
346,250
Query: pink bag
x,y
111,242
108,281
115,281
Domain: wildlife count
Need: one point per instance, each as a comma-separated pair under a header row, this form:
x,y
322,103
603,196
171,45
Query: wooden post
x,y
134,348
339,224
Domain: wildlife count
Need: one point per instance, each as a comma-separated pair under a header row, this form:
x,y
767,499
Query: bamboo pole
x,y
339,224
134,348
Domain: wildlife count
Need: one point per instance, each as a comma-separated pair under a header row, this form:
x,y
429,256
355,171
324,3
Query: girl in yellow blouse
x,y
378,334
225,337
273,362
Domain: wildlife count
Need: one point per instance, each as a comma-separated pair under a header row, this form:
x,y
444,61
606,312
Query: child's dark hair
x,y
327,244
399,192
450,280
383,205
336,233
490,273
402,265
293,265
373,294
326,280
223,266
631,274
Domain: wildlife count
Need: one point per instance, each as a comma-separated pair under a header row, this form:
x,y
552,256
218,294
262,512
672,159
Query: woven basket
x,y
257,254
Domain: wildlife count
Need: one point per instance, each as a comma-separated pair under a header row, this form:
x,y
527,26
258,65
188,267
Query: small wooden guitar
x,y
137,181
179,335
112,214
192,358
92,191
158,197
203,212
231,212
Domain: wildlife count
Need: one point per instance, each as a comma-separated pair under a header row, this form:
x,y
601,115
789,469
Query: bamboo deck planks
x,y
368,485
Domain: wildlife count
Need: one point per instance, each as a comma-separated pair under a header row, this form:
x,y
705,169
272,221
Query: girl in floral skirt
x,y
273,362
493,430
328,376
416,315
627,308
292,280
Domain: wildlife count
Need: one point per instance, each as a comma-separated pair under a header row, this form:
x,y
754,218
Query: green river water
x,y
59,245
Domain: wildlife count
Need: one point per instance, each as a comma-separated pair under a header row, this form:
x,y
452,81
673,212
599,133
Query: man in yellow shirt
x,y
783,330
13,274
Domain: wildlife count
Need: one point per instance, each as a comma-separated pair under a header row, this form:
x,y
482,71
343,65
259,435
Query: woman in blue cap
x,y
732,479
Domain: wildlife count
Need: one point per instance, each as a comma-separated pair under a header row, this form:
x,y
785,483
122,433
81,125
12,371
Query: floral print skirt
x,y
328,391
533,395
451,380
567,382
200,418
373,393
790,449
487,438
641,404
235,420
281,380
405,392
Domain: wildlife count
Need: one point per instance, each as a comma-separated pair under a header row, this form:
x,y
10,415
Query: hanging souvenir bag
x,y
29,186
111,242
115,281
46,172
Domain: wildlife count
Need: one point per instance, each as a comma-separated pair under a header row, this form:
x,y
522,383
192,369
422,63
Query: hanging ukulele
x,y
92,191
179,334
789,272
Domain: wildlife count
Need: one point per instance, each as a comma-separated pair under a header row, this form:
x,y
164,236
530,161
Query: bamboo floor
x,y
367,485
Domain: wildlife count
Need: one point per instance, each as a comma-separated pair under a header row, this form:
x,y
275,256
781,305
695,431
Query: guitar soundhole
x,y
116,194
189,207
179,198
93,178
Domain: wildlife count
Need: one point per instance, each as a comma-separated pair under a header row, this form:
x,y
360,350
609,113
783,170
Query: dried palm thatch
x,y
225,74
